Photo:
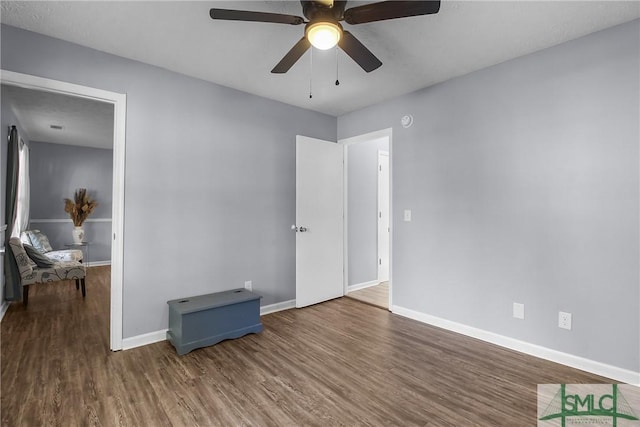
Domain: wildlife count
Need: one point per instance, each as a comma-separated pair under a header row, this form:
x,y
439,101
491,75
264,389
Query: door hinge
x,y
379,261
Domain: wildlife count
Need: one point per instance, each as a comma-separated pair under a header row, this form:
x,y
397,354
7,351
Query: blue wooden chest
x,y
205,320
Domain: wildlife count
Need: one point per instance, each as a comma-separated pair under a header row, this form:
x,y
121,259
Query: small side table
x,y
80,246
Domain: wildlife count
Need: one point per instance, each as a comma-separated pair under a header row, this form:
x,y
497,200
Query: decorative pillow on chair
x,y
40,241
24,237
38,257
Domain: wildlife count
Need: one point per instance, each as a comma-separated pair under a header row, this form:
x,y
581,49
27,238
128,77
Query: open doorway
x,y
117,104
368,218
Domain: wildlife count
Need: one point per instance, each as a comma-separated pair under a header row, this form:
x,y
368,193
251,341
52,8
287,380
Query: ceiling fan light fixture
x,y
324,35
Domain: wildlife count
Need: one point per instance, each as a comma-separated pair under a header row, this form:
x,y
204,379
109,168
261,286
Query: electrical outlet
x,y
407,215
564,320
248,285
518,310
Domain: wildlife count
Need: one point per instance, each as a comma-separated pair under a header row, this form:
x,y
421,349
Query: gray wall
x,y
56,171
209,179
362,208
523,182
522,178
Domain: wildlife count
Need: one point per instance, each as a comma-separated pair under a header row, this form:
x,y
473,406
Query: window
x,y
22,195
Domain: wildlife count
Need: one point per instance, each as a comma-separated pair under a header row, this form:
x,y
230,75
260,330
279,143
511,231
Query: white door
x,y
383,216
319,221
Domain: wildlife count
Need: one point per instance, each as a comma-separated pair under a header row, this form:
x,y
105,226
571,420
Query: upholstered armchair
x,y
35,268
39,240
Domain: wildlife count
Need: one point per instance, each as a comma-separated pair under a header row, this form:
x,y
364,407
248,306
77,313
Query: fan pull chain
x,y
337,81
311,74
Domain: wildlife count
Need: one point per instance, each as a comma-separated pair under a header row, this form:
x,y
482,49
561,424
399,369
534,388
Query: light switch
x,y
407,215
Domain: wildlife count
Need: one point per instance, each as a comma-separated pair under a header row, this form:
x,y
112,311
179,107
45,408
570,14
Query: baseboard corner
x,y
144,339
363,285
279,306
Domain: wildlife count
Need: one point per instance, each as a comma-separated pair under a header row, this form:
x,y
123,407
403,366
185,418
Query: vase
x,y
78,235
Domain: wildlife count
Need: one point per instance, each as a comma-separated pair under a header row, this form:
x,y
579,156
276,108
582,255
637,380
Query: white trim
x,y
598,368
99,263
362,285
60,220
161,335
345,225
388,133
3,308
117,223
119,102
279,306
381,154
144,339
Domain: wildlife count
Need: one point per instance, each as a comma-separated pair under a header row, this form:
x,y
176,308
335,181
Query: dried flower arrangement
x,y
81,207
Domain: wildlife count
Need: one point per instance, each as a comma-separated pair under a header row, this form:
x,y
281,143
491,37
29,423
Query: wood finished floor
x,y
377,295
341,363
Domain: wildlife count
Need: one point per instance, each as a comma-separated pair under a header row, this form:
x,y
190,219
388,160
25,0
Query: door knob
x,y
299,229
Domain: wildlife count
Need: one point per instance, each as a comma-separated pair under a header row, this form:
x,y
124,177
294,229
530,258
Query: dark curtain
x,y
12,288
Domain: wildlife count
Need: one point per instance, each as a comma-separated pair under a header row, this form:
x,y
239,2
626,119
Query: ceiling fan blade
x,y
245,15
389,10
358,52
292,56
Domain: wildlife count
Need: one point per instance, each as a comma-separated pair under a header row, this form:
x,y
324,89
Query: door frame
x,y
381,154
119,102
388,133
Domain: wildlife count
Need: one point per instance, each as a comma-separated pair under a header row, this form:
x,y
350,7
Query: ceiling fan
x,y
323,29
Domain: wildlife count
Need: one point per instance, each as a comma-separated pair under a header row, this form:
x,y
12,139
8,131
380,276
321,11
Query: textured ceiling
x,y
84,122
416,52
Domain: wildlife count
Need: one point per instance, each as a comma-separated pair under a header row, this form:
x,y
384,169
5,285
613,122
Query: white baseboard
x,y
3,308
144,339
279,306
161,335
98,263
363,285
598,368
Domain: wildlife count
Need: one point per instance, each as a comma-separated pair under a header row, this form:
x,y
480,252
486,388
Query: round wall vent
x,y
406,121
